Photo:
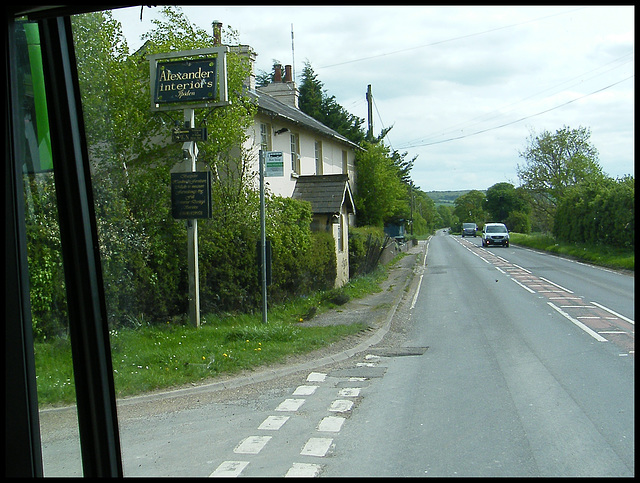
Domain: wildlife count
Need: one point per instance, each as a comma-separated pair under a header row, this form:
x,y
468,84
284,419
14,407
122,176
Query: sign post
x,y
187,80
190,150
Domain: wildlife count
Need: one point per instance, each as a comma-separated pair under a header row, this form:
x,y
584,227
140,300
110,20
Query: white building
x,y
318,162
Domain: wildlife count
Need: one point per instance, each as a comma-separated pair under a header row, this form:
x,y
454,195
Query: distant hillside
x,y
445,197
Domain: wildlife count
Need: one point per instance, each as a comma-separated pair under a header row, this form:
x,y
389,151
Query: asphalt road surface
x,y
499,362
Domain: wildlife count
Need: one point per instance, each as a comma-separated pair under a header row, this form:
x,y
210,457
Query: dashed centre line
x,y
273,423
290,405
316,447
252,444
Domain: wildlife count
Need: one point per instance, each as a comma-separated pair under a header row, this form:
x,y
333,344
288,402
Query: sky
x,y
464,87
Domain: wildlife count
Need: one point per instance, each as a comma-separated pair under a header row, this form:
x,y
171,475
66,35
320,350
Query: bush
x,y
365,247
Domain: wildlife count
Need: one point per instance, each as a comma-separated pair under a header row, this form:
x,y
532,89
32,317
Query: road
x,y
500,362
518,380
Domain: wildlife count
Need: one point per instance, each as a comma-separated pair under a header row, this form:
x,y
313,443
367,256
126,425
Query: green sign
x,y
185,81
274,164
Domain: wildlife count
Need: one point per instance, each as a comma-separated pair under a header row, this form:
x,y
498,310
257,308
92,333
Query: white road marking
x,y
229,468
290,405
341,406
331,424
349,392
592,333
304,390
252,444
614,313
556,285
524,286
316,377
273,423
317,447
415,296
303,470
521,268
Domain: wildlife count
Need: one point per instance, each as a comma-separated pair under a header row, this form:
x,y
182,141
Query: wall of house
x,y
339,228
332,154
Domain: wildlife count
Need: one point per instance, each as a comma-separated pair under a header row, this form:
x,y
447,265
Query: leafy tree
x,y
446,216
381,195
315,102
598,212
469,207
554,162
142,246
503,199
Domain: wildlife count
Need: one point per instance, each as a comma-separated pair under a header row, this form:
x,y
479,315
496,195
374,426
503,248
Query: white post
x,y
192,232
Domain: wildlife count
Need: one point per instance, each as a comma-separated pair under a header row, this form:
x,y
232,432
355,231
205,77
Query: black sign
x,y
189,134
185,81
191,195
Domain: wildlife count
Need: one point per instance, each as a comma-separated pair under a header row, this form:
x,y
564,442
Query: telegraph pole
x,y
370,113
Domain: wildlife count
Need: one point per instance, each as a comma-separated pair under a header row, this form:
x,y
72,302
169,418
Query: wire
x,y
517,120
447,40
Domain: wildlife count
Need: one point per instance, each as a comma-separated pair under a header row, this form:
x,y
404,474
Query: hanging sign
x,y
189,79
184,81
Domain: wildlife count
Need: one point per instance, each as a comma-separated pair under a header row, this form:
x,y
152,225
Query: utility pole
x,y
370,113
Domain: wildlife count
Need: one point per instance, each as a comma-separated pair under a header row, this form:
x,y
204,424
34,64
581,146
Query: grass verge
x,y
156,357
598,255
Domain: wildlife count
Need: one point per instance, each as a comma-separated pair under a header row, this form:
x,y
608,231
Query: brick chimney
x,y
284,91
217,33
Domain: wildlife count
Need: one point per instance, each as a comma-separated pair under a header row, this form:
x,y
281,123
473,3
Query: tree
x,y
381,195
469,207
502,201
554,162
315,102
598,212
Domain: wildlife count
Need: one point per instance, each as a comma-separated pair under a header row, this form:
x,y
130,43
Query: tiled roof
x,y
274,107
326,193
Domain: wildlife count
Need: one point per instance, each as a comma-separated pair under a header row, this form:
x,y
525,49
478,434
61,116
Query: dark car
x,y
495,234
469,229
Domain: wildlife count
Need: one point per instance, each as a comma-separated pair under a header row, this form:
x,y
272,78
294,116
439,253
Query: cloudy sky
x,y
463,87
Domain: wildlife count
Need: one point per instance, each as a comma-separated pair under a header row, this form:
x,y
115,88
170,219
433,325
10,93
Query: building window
x,y
318,151
295,153
345,163
265,137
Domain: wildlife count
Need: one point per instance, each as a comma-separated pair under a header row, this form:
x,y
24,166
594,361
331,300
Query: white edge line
x,y
614,313
524,286
559,286
415,297
592,333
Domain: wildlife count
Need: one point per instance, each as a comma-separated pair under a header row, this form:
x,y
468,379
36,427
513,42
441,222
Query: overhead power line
x,y
517,120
